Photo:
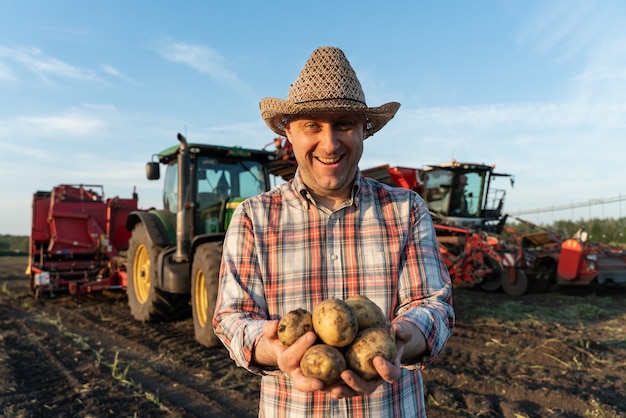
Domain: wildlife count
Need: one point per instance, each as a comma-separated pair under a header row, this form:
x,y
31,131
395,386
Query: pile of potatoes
x,y
349,333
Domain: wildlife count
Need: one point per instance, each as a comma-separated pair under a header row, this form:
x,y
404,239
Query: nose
x,y
328,141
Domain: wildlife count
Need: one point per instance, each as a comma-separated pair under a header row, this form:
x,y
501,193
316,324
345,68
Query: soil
x,y
557,354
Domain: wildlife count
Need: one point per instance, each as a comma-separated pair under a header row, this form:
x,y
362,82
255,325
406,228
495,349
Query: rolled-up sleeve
x,y
425,288
240,309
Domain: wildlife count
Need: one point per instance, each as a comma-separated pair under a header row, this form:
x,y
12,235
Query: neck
x,y
331,203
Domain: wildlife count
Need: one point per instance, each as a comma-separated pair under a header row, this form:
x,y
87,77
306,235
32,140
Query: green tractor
x,y
174,253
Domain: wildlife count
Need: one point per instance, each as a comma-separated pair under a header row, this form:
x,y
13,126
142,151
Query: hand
x,y
353,385
410,341
270,351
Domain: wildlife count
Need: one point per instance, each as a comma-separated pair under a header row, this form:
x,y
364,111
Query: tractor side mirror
x,y
152,170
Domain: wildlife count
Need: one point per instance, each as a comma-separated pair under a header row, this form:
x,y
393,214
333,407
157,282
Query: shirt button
x,y
334,257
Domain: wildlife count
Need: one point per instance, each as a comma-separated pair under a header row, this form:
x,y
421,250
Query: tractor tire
x,y
516,287
492,281
205,272
146,301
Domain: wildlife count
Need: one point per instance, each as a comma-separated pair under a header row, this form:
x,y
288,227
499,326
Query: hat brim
x,y
273,112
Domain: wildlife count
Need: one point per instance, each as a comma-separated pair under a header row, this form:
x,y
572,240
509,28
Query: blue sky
x,y
90,90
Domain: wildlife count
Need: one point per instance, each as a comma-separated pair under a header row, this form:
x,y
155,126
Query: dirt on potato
x,y
556,354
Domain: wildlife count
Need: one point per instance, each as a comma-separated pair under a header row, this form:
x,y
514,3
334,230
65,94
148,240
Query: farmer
x,y
459,205
332,233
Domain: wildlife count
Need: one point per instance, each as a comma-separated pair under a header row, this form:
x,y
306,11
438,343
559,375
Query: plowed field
x,y
558,354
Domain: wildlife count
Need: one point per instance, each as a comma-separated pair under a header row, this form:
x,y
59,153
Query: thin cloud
x,y
111,70
593,35
53,126
202,59
44,67
562,28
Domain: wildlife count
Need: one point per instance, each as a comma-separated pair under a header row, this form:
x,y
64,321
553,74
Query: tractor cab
x,y
463,194
215,181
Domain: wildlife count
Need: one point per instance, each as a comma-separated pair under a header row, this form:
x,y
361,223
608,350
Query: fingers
x,y
358,385
305,384
389,372
289,363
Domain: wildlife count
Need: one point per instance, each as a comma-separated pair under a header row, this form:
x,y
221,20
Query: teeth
x,y
328,160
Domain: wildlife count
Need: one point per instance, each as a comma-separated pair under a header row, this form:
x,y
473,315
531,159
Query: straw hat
x,y
327,83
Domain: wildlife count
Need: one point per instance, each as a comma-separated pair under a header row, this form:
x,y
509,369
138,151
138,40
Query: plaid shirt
x,y
283,252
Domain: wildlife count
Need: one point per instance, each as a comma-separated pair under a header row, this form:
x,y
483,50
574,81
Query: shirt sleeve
x,y
241,309
425,289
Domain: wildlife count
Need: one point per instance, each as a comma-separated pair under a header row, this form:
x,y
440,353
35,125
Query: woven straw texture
x,y
327,83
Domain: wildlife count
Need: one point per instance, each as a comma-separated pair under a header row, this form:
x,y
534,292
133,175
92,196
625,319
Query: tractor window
x,y
226,179
222,185
473,193
466,194
170,189
251,179
437,190
215,180
454,193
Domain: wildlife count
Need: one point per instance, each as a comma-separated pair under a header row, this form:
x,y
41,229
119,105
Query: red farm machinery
x,y
539,260
77,240
481,250
467,211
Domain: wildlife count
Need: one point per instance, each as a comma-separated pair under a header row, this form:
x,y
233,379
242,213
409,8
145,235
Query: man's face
x,y
328,148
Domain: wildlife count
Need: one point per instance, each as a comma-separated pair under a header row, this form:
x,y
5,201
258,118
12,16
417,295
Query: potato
x,y
323,362
368,314
294,325
334,322
369,343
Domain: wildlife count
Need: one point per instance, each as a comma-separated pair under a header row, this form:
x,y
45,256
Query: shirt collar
x,y
303,192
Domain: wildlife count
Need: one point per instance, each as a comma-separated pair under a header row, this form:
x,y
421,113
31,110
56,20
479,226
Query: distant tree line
x,y
609,231
13,244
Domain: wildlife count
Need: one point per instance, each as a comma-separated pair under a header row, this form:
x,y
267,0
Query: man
x,y
459,200
331,233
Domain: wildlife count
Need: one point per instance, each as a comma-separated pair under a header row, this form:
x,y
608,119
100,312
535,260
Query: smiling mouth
x,y
328,160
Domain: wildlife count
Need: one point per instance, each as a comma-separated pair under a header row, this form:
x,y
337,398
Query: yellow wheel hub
x,y
141,274
202,303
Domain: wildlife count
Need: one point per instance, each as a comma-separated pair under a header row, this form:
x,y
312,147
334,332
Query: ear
x,y
288,132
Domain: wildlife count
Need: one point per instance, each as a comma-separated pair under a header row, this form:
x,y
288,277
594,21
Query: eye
x,y
345,124
311,125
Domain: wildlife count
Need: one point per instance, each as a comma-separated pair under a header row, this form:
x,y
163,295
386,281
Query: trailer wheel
x,y
204,285
492,281
146,301
517,286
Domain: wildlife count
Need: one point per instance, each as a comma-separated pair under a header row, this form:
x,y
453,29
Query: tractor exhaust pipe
x,y
182,231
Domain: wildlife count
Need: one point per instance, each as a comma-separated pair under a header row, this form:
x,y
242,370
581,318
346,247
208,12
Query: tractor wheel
x,y
205,272
146,301
493,280
516,287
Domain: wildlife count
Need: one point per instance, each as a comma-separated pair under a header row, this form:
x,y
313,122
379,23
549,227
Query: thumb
x,y
270,328
403,331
